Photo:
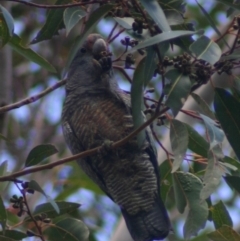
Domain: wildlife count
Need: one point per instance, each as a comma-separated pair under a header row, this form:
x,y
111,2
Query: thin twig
x,y
32,99
13,176
23,192
53,6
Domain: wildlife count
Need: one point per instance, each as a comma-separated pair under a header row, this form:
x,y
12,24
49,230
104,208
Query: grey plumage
x,y
96,110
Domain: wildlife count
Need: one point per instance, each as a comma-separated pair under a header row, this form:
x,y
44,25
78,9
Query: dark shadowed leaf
x,y
190,187
136,99
156,13
71,17
3,137
47,208
231,161
15,43
159,38
196,142
13,234
53,23
230,3
203,105
3,214
6,26
35,186
225,233
177,90
205,49
227,111
150,65
39,153
67,229
233,182
179,142
212,176
166,179
215,134
220,215
3,238
95,17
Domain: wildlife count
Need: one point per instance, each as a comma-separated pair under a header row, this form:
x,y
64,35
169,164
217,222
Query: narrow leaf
x,y
3,172
124,22
137,99
3,214
14,234
233,182
227,111
179,142
91,23
72,16
220,215
225,233
159,38
15,43
177,90
205,49
8,19
69,229
39,153
203,105
156,13
35,186
196,142
53,24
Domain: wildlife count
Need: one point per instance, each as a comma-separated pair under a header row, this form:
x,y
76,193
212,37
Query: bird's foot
x,y
105,61
106,147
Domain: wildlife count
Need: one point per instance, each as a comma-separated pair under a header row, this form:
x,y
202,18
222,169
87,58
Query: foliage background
x,y
39,122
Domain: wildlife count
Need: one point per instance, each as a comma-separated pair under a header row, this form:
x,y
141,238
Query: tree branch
x,y
32,99
93,151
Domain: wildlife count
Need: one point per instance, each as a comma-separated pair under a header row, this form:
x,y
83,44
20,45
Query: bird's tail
x,y
148,226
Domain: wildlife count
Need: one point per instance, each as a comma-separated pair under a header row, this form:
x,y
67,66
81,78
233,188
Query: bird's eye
x,y
83,50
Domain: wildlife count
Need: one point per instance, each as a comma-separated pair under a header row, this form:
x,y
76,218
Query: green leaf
x,y
196,142
91,23
53,23
212,176
220,215
3,137
159,38
233,182
231,161
39,153
156,13
35,186
3,214
3,238
124,22
47,208
230,3
205,49
189,188
177,91
3,172
13,234
215,134
150,65
67,229
225,233
6,26
15,43
137,99
226,107
179,142
203,105
166,179
71,17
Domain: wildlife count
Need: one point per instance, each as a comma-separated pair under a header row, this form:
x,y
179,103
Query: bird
x,y
95,112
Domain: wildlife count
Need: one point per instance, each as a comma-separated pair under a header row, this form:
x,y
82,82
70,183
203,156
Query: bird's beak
x,y
98,47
